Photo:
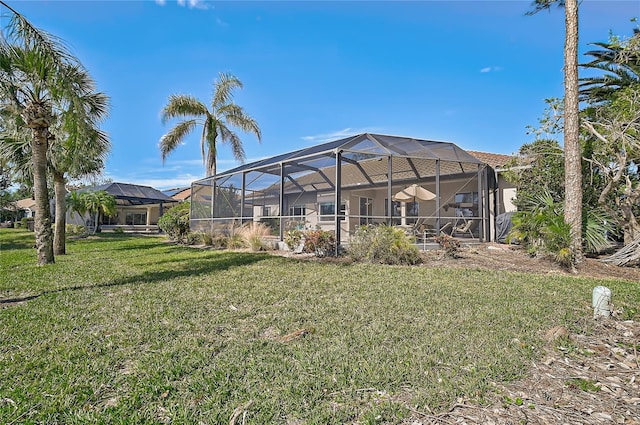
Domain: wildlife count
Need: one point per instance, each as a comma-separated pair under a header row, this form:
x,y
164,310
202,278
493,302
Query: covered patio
x,y
138,208
365,179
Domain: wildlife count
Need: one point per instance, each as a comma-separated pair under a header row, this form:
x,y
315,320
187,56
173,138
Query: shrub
x,y
207,238
192,238
75,230
293,239
118,230
175,222
253,235
234,236
450,245
319,242
383,244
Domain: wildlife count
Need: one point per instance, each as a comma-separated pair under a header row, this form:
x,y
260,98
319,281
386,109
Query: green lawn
x,y
128,329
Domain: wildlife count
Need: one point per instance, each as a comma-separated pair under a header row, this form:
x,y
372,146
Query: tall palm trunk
x,y
59,246
43,232
572,150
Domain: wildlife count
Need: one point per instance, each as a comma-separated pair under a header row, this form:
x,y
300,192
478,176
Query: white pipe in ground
x,y
601,301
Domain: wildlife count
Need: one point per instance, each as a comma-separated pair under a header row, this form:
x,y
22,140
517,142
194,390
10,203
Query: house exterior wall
x,y
506,195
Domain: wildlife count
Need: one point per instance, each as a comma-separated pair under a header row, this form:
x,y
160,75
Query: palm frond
x,y
223,90
183,106
175,136
236,116
540,5
231,138
21,32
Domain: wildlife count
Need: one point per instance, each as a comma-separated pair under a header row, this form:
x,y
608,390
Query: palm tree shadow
x,y
181,268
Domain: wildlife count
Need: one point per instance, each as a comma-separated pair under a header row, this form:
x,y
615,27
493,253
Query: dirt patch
x,y
581,380
496,256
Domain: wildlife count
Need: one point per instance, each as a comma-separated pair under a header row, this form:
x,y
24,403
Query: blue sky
x,y
475,73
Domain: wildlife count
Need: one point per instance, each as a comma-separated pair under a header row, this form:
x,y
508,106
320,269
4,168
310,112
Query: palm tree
x,y
79,150
572,149
214,121
620,64
38,76
96,203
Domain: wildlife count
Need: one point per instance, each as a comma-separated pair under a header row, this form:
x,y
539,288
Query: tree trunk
x,y
43,231
59,238
572,151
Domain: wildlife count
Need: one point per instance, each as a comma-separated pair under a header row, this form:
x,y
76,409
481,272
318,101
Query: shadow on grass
x,y
190,268
21,240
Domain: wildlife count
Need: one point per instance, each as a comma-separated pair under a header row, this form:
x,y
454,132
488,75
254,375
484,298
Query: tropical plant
x,y
615,129
38,78
619,61
538,167
96,203
175,221
215,122
75,229
384,245
542,229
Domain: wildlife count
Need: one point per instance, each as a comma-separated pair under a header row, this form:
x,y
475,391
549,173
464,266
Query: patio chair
x,y
467,226
418,227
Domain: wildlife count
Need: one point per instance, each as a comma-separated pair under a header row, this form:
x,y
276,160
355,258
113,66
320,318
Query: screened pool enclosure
x,y
338,186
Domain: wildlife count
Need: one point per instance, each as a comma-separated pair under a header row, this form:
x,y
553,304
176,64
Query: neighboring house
x,y
339,185
27,206
179,194
138,208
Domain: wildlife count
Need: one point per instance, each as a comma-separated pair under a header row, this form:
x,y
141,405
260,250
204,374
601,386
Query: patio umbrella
x,y
414,192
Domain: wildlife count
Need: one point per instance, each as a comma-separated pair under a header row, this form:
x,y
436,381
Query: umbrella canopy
x,y
413,192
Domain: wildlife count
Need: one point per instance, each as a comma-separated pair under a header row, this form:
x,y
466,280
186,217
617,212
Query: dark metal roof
x,y
132,193
368,144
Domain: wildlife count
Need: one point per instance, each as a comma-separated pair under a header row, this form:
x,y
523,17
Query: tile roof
x,y
494,160
26,203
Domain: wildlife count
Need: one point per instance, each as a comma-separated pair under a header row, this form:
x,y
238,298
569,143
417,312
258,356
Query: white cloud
x,y
221,23
491,69
319,138
193,4
161,2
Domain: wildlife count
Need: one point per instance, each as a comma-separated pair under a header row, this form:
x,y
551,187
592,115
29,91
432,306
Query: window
x,y
297,210
466,204
266,211
328,211
136,218
366,210
110,220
